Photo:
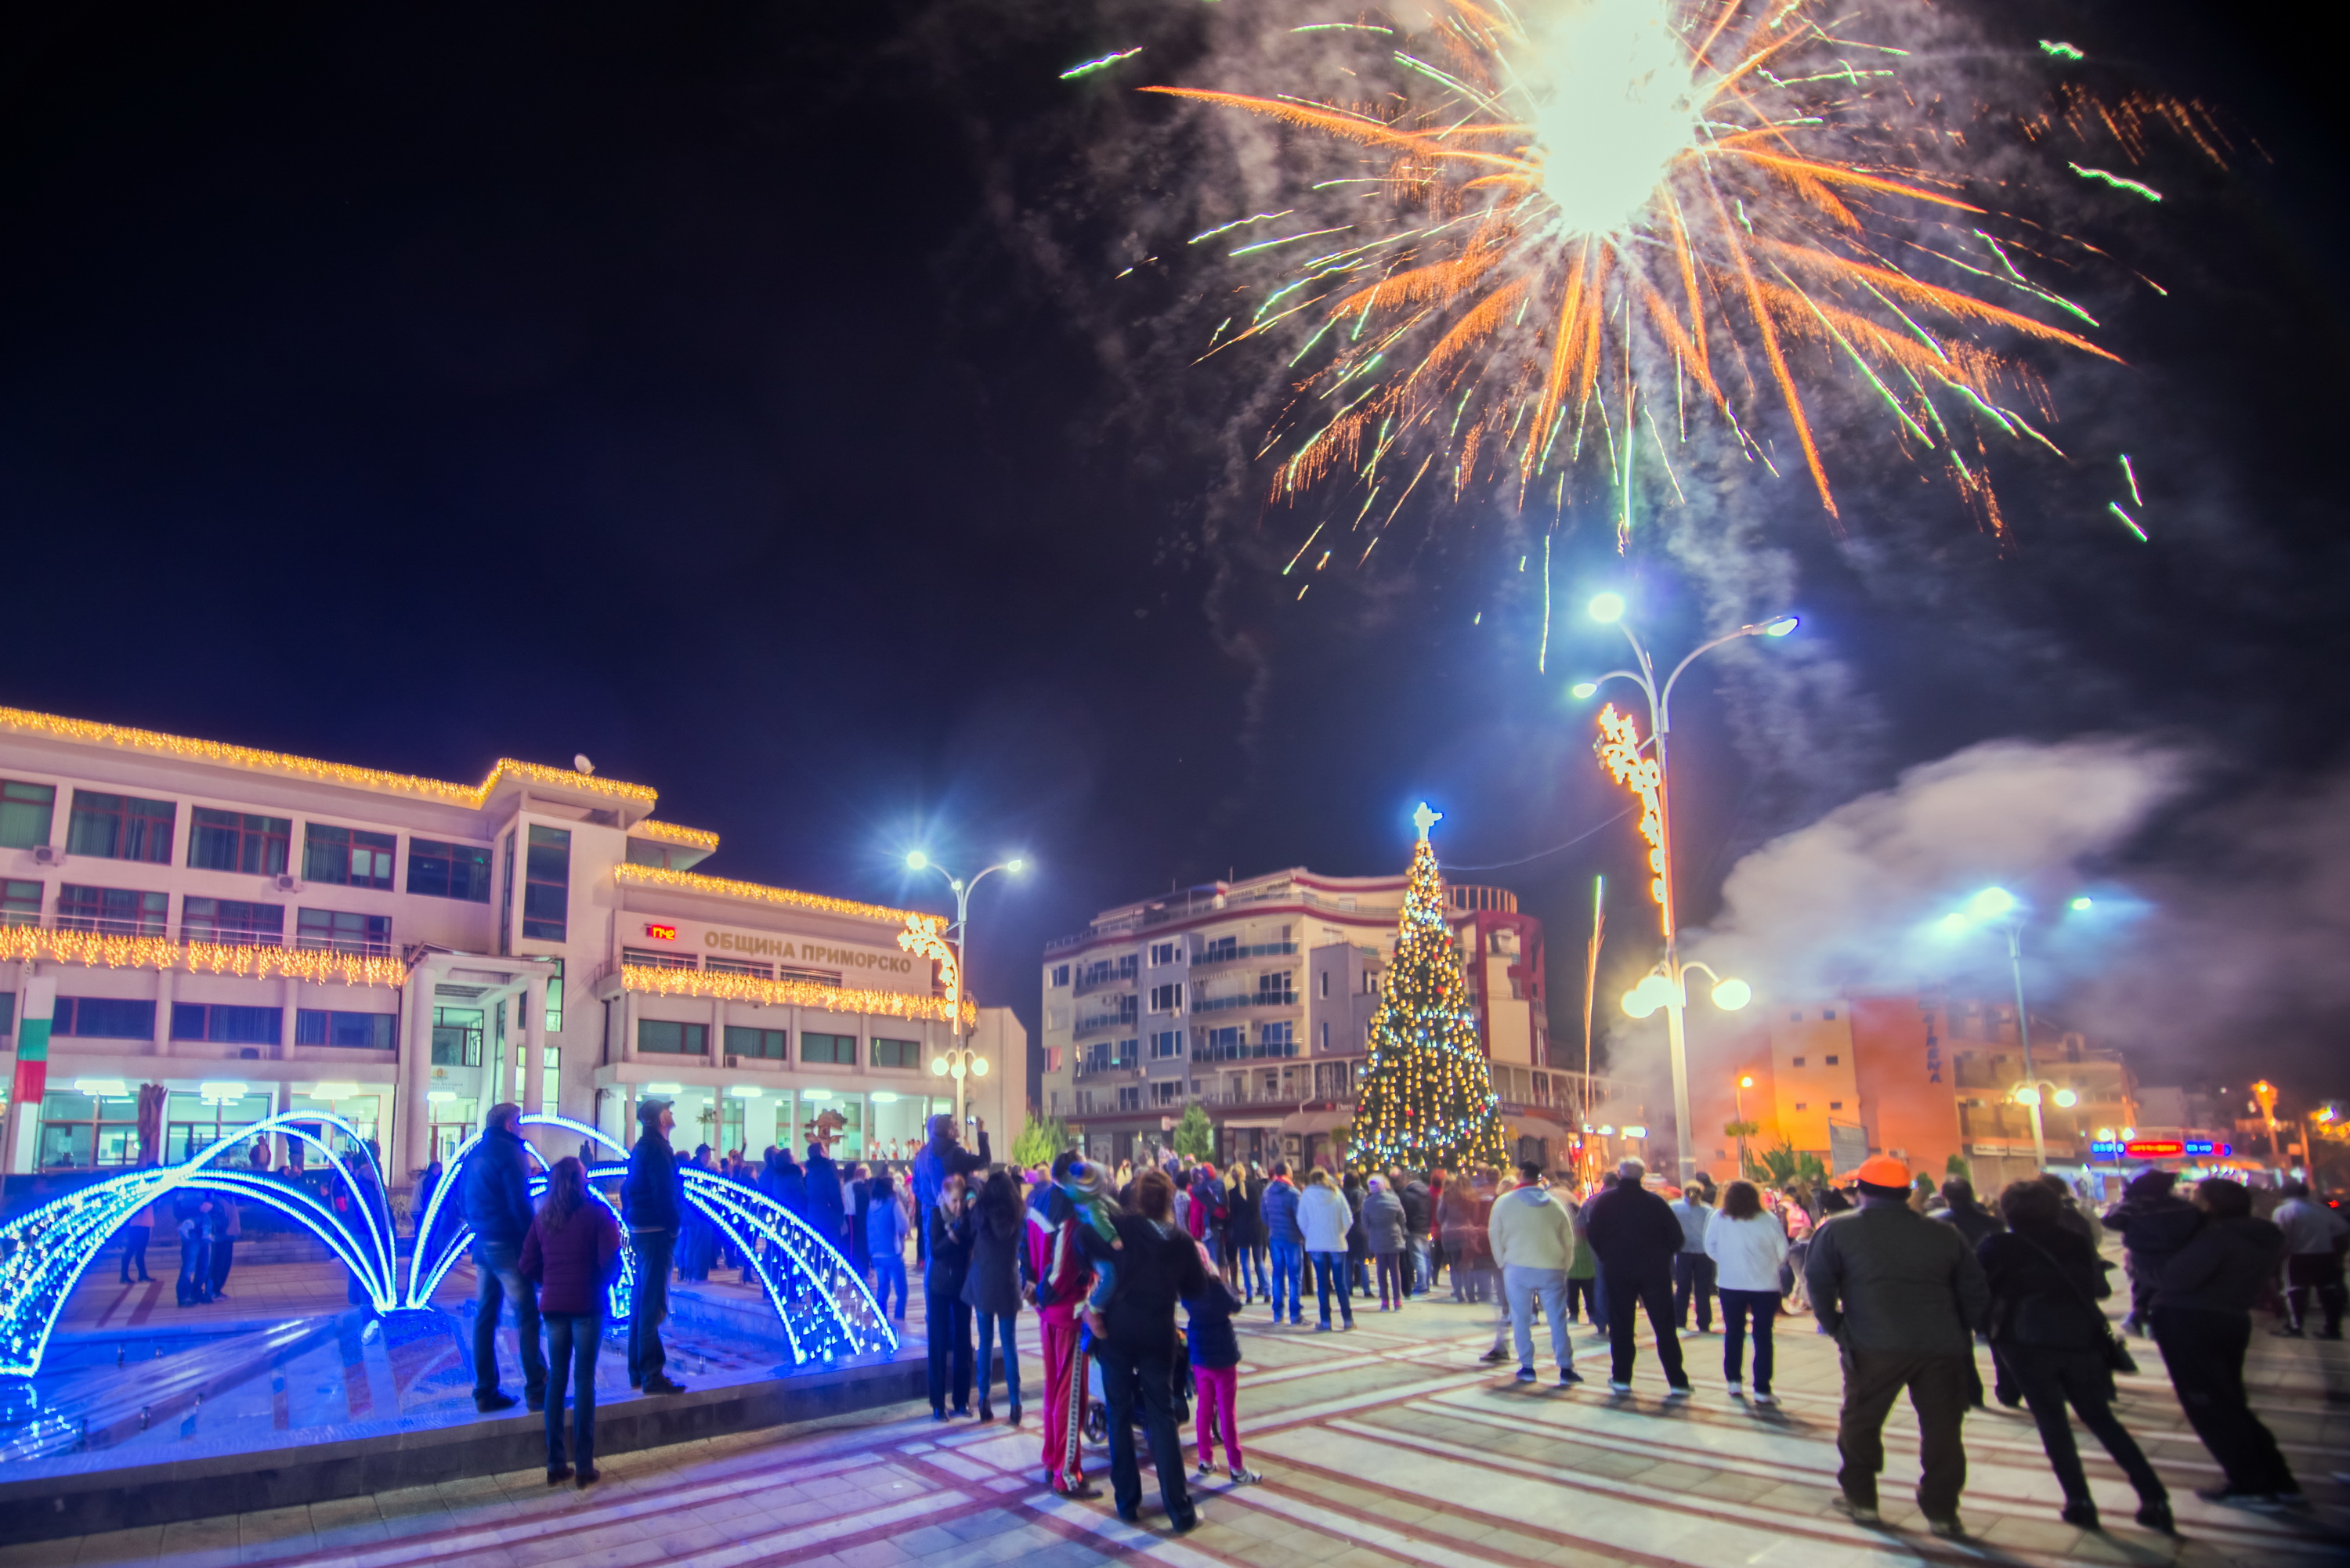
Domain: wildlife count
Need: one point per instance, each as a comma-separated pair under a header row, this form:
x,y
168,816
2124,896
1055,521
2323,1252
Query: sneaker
x,y
2081,1513
663,1386
1678,1391
1947,1529
1203,1469
1496,1353
1321,1328
1856,1514
2229,1497
1764,1396
1244,1475
1737,1390
2156,1516
1568,1377
1615,1387
494,1400
1525,1375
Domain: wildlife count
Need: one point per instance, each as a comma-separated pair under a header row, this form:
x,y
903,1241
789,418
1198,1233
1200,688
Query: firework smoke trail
x,y
1557,231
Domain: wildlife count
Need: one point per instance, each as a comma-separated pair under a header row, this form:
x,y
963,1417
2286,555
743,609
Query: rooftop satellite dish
x,y
582,763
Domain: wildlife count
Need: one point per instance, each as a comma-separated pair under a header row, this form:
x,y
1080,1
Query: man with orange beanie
x,y
1903,1296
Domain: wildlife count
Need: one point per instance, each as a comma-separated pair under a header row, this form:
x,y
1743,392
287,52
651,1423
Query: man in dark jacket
x,y
1285,1244
942,1155
827,1206
1418,1215
1132,1314
2202,1322
1637,1236
497,1193
651,1205
1967,1216
2153,1222
1903,1296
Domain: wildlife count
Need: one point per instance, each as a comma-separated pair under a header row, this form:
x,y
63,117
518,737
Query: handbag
x,y
2116,1355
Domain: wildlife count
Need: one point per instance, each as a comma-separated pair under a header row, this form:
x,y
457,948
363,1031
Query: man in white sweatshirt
x,y
1532,1235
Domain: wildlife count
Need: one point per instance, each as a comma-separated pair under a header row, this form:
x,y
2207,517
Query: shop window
x,y
347,856
239,841
120,827
79,1131
20,903
650,958
457,1037
226,1025
110,911
343,931
361,1031
546,888
716,965
667,1037
25,813
232,922
763,1044
449,870
838,1049
104,1018
554,1001
897,1053
194,1124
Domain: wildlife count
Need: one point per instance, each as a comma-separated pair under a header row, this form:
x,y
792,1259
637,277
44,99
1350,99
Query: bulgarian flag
x,y
40,1001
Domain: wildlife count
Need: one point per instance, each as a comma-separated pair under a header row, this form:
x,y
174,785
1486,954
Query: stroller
x,y
1096,1428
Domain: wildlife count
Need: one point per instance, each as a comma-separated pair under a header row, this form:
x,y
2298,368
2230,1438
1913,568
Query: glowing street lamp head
x,y
1585,689
938,1066
1606,608
1016,865
1992,904
1732,995
1652,992
2084,905
1746,1081
917,861
2067,1099
1781,627
2027,1096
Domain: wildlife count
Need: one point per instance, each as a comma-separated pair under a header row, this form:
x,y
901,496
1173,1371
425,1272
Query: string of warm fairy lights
x,y
923,937
671,833
1427,1099
910,1005
1623,754
790,897
156,743
320,966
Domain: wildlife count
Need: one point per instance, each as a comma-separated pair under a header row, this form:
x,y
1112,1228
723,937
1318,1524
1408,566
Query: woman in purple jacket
x,y
573,1251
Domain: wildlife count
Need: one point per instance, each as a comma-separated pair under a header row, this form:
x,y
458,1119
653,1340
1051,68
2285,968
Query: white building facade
x,y
254,933
1255,1000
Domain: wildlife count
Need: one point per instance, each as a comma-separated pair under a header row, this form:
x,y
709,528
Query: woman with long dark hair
x,y
573,1251
992,1286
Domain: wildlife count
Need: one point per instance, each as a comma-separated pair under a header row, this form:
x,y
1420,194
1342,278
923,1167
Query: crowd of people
x,y
1907,1277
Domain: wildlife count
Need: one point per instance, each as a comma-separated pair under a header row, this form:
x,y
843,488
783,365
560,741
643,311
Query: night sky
x,y
736,395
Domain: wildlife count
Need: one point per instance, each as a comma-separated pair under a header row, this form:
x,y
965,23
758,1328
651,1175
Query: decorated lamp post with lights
x,y
1996,908
931,937
1641,766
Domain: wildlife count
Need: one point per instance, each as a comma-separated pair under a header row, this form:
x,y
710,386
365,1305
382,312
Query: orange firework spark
x,y
1582,209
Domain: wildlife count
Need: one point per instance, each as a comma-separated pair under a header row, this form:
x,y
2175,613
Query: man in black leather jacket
x,y
497,1193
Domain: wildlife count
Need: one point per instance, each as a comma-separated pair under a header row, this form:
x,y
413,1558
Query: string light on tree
x,y
1428,1094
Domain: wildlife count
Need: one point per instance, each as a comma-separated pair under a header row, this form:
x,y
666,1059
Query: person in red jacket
x,y
573,1251
1058,1278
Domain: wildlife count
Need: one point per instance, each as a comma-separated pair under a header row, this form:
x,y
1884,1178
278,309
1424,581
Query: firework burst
x,y
1574,228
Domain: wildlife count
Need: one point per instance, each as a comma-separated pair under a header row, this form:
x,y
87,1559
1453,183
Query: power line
x,y
1539,854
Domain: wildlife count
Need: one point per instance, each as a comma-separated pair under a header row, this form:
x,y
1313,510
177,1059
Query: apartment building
x,y
254,933
1254,998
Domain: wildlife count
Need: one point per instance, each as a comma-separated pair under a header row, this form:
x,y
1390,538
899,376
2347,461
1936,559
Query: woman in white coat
x,y
1747,1245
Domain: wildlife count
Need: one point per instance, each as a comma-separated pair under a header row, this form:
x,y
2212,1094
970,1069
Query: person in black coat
x,y
652,1203
1156,1265
2051,1339
827,1208
2154,1222
946,1270
494,1184
1636,1235
991,1290
1244,1228
2202,1322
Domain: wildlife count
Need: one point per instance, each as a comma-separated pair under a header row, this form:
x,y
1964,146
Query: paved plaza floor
x,y
1389,1445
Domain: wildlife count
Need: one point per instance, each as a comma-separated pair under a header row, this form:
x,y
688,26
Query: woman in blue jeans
x,y
884,1243
573,1251
1325,1216
992,1289
1747,1246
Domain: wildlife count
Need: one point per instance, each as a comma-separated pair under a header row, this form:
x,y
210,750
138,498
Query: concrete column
x,y
163,986
529,1042
415,1115
291,1005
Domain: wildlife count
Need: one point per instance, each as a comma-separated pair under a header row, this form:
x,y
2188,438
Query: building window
x,y
1051,1052
1828,1015
555,1002
666,1037
1272,989
1167,998
1060,974
103,1018
79,1131
239,841
546,893
449,870
717,965
20,903
840,1050
232,922
1166,1091
897,1053
362,1031
1161,954
25,813
1836,1105
1129,1097
1796,1061
1167,1043
342,931
1801,1105
1326,983
456,1037
347,856
120,827
649,958
226,1025
1277,1036
1794,1018
1832,1061
110,911
1326,1035
505,894
764,1045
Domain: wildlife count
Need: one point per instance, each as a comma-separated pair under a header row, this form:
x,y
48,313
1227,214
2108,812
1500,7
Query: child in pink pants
x,y
1216,1373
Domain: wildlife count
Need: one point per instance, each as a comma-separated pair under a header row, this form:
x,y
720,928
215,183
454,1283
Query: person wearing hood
x,y
1532,1236
652,1198
828,1208
1383,1233
497,1193
2202,1323
945,1312
2153,1222
1286,1243
885,1243
992,1288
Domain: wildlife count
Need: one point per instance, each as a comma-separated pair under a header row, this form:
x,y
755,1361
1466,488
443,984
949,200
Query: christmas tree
x,y
1428,1095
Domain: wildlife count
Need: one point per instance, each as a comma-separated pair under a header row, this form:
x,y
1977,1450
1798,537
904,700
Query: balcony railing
x,y
1098,1021
1095,1069
99,925
1279,1050
1246,999
1234,955
1091,982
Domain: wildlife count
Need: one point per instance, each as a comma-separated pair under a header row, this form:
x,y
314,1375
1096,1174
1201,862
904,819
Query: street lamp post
x,y
1998,907
1745,1082
2029,1094
1657,824
962,1062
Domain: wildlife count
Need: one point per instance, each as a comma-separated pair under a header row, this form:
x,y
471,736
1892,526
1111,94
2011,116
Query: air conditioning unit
x,y
287,882
734,1060
48,855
